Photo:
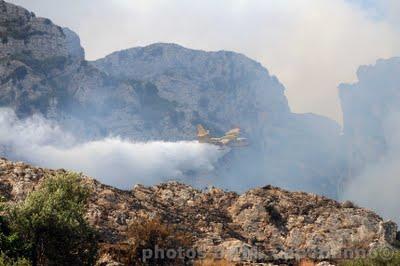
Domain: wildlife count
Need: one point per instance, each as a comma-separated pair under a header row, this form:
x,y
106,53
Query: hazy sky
x,y
310,45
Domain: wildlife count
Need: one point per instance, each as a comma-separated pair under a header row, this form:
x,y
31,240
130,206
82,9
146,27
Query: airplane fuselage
x,y
230,139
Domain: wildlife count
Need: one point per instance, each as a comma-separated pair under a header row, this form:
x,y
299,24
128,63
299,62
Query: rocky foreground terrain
x,y
262,225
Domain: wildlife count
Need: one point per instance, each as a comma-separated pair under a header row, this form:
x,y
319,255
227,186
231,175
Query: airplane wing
x,y
233,132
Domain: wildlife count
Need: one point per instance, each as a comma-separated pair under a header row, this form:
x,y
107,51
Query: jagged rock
x,y
262,225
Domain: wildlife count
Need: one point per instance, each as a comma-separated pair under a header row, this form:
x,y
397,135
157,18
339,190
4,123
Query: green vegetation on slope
x,y
48,227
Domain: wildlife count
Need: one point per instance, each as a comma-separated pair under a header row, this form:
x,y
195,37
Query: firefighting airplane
x,y
230,139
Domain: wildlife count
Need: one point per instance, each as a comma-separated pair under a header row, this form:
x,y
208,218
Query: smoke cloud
x,y
377,187
114,161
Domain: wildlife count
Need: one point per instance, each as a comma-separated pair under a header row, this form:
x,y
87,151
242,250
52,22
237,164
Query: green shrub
x,y
51,222
6,261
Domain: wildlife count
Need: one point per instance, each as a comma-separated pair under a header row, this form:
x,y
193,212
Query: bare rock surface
x,y
262,225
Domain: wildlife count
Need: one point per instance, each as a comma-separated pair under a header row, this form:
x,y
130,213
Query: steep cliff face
x,y
31,51
43,70
371,112
262,225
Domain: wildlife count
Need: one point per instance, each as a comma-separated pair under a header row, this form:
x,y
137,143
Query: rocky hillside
x,y
263,224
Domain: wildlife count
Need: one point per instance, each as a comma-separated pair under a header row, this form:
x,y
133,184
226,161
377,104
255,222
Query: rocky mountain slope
x,y
223,89
261,225
160,92
219,89
42,70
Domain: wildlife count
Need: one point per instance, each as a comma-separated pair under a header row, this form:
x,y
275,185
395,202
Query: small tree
x,y
51,221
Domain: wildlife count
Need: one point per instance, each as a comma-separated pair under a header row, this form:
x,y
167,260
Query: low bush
x,y
6,261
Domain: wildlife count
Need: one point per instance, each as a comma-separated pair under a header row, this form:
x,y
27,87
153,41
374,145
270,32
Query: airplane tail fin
x,y
202,132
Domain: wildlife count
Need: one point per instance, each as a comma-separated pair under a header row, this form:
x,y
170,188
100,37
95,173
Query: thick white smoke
x,y
378,186
114,161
